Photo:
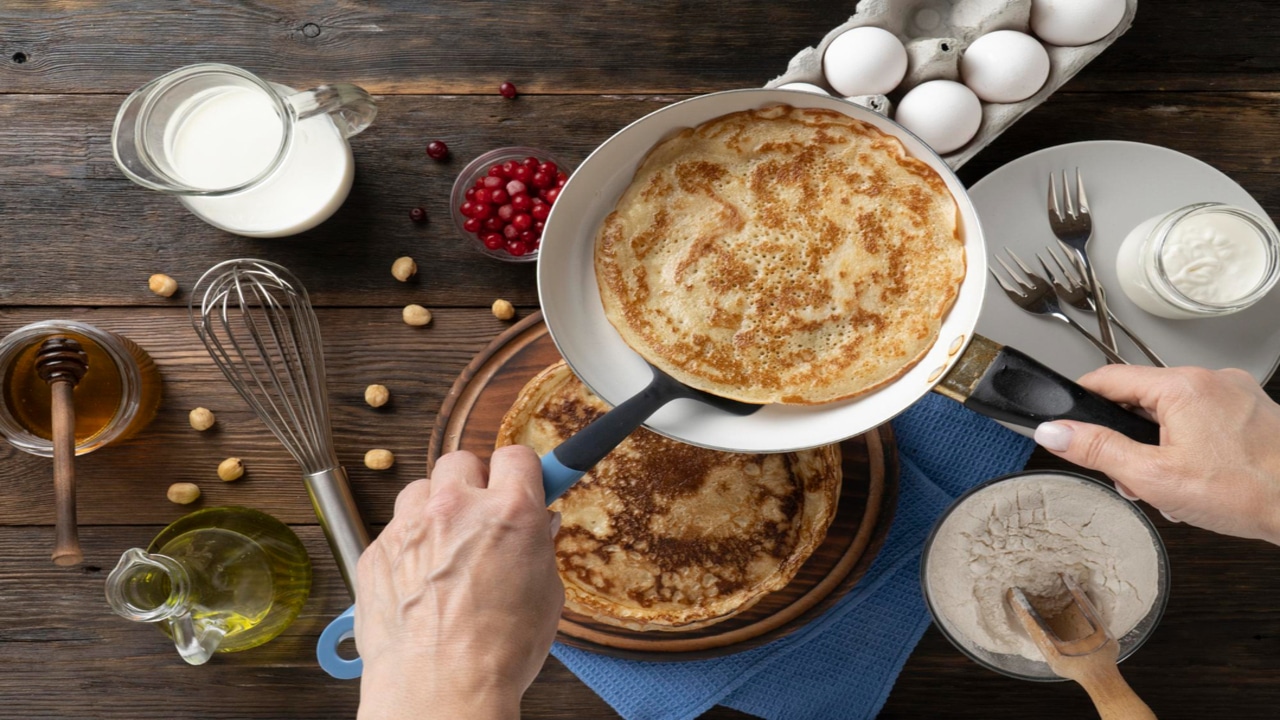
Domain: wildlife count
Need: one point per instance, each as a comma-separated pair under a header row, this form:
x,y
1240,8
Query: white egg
x,y
1075,22
943,113
1005,66
807,87
865,61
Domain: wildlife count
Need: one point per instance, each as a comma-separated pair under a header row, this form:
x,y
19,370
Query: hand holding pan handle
x,y
1003,383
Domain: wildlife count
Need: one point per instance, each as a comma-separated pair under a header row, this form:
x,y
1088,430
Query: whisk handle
x,y
336,509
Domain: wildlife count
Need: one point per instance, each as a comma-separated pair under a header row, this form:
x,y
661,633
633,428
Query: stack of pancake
x,y
661,535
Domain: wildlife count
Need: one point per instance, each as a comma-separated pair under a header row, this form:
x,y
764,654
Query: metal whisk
x,y
257,323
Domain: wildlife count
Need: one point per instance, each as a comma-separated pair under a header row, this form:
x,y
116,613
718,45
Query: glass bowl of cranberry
x,y
501,200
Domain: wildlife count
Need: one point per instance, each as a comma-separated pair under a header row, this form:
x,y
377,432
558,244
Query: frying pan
x,y
992,379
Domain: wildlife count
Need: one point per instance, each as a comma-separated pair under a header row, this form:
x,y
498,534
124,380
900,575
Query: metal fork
x,y
1071,289
1074,228
1035,295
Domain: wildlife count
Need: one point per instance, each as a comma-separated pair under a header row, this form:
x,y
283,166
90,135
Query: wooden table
x,y
77,240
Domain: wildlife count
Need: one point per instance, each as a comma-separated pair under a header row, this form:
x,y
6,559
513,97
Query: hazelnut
x,y
230,469
183,493
416,315
404,268
379,459
162,285
503,310
201,419
377,395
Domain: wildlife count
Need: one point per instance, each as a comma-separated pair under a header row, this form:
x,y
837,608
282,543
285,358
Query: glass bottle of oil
x,y
218,580
117,397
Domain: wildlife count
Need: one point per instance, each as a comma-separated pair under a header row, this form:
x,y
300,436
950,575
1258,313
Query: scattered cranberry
x,y
507,206
437,150
508,90
418,215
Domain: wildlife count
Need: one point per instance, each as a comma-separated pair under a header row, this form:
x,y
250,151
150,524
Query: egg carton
x,y
935,34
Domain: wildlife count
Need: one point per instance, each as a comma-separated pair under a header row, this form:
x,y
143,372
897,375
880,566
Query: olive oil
x,y
218,580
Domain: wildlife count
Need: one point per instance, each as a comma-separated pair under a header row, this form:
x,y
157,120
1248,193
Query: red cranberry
x,y
495,171
510,232
492,240
508,90
418,215
542,180
517,248
494,223
471,193
528,237
515,187
522,221
480,211
532,163
540,212
493,181
522,174
467,208
499,197
538,225
509,167
482,196
506,212
562,177
551,194
437,150
472,225
521,202
549,168
479,183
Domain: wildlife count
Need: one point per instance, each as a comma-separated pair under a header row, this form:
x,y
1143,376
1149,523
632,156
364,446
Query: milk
x,y
227,135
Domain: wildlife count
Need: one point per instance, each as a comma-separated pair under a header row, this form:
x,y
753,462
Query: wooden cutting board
x,y
487,387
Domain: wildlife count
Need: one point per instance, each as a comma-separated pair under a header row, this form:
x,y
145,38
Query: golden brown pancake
x,y
781,255
666,536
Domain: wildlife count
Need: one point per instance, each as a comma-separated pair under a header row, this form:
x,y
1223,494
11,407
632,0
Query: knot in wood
x,y
311,30
61,359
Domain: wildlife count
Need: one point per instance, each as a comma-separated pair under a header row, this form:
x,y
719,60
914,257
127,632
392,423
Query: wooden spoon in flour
x,y
1089,659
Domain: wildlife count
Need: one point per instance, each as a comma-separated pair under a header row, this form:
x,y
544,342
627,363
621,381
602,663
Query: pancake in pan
x,y
781,255
666,536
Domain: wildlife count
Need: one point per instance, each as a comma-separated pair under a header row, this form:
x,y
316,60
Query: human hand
x,y
459,596
1218,462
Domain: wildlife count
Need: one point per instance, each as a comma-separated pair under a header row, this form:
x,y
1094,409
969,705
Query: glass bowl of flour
x,y
1024,530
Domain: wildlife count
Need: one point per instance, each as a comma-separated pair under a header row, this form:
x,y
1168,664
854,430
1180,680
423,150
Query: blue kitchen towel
x,y
843,664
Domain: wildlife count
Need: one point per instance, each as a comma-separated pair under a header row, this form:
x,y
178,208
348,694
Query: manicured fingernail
x,y
555,525
1125,492
1169,517
1054,436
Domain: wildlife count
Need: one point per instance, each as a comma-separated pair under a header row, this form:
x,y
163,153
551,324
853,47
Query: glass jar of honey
x,y
117,397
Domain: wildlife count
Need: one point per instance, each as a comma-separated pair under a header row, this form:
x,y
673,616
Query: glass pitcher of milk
x,y
249,156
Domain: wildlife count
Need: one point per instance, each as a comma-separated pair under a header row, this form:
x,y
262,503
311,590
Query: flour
x,y
1024,532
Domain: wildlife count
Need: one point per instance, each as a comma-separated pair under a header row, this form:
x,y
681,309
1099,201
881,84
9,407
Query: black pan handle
x,y
1021,391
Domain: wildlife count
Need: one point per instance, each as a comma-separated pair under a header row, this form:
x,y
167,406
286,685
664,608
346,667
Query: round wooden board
x,y
469,420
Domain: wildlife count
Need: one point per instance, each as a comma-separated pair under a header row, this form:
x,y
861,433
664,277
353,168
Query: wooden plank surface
x,y
77,240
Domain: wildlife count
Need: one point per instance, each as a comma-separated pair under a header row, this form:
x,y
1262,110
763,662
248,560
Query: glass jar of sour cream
x,y
1199,261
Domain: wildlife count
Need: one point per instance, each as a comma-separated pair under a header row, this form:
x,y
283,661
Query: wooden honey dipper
x,y
62,362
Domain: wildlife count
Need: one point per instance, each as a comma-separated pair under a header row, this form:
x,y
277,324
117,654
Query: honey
x,y
117,397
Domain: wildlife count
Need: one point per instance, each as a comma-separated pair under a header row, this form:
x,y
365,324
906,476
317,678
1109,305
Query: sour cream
x,y
1199,261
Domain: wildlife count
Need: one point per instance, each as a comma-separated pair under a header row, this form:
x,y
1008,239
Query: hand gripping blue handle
x,y
556,478
342,628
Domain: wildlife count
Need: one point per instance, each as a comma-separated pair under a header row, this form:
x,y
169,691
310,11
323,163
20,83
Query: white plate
x,y
571,299
1126,183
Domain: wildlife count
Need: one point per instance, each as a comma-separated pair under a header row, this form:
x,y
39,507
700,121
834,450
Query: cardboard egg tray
x,y
936,33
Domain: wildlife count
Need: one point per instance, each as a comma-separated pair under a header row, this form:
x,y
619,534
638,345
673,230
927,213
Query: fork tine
x,y
1070,270
1066,196
1026,286
1012,256
1047,272
1081,200
1053,197
1007,288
